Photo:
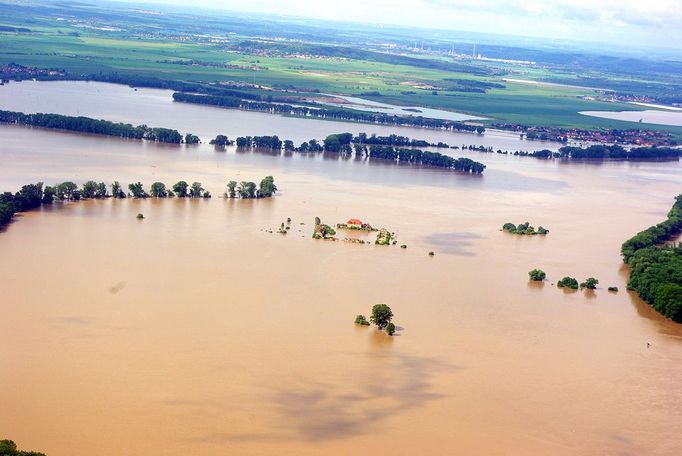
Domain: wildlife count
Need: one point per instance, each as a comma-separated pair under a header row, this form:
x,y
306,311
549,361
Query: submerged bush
x,y
590,283
568,282
537,275
390,329
361,320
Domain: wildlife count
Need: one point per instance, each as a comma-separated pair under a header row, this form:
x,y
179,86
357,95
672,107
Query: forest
x,y
657,269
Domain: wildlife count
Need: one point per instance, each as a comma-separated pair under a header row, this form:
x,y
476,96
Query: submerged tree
x,y
361,320
101,190
9,448
537,275
48,195
158,190
180,189
191,139
568,282
247,189
381,315
195,190
231,189
117,190
137,190
220,141
65,190
89,189
590,283
267,187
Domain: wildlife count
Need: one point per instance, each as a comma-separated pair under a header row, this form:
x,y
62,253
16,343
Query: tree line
x,y
656,272
422,157
238,102
94,126
395,140
248,190
610,152
32,196
347,144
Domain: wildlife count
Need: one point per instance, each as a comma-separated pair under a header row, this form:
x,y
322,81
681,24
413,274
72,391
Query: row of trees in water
x,y
238,102
422,157
94,126
610,152
346,143
657,270
32,196
395,140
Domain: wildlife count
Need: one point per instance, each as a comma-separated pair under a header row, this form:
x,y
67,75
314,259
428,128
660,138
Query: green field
x,y
134,50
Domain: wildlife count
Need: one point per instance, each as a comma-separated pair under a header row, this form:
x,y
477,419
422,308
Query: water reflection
x,y
313,410
454,243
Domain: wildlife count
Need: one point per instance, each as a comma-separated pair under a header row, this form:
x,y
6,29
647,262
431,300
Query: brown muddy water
x,y
195,331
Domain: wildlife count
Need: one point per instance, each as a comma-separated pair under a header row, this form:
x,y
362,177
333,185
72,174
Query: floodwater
x,y
386,108
156,108
649,116
195,331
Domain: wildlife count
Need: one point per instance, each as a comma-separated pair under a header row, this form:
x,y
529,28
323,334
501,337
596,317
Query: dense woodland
x,y
93,126
657,270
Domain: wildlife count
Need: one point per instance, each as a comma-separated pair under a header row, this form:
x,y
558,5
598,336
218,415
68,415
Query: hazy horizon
x,y
625,22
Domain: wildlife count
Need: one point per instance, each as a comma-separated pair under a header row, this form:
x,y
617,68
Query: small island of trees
x,y
385,237
537,275
323,231
381,316
523,229
249,190
568,282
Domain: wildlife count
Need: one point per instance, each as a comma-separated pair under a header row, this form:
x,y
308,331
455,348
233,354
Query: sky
x,y
630,22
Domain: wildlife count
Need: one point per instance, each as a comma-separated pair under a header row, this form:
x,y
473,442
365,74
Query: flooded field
x,y
650,116
195,331
156,108
363,104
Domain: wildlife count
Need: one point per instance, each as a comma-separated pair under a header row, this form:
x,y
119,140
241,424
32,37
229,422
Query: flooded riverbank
x,y
363,104
649,116
195,330
155,107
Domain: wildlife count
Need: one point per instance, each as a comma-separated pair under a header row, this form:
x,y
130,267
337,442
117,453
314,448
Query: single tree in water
x,y
381,315
195,191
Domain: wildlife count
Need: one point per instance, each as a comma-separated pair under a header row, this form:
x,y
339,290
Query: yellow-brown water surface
x,y
196,331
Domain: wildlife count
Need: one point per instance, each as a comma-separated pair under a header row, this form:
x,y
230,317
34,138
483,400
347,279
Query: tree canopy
x,y
381,315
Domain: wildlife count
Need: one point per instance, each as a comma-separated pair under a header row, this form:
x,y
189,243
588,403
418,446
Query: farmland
x,y
91,40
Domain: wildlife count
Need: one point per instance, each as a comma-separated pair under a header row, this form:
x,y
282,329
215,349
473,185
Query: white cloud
x,y
650,22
